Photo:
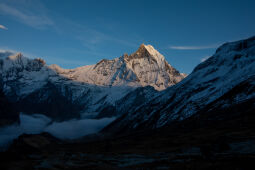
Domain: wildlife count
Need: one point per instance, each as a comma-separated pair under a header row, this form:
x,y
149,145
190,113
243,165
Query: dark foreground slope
x,y
216,139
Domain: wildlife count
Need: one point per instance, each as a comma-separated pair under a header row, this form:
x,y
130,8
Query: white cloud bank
x,y
35,124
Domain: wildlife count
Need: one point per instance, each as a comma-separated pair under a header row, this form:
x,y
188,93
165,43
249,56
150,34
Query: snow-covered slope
x,y
232,65
144,67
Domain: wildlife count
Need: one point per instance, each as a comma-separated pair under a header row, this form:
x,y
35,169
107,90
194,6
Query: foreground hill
x,y
222,139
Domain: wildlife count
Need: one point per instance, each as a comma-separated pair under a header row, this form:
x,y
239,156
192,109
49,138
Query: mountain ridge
x,y
144,67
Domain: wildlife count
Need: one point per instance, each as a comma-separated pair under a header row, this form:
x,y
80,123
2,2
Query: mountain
x,y
145,67
223,81
89,91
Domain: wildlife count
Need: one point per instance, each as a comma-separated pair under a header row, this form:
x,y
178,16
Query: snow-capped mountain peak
x,y
145,67
154,53
152,69
147,51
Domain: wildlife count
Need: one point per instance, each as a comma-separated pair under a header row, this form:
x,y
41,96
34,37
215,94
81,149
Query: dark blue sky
x,y
80,32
